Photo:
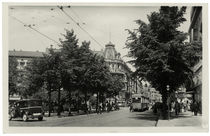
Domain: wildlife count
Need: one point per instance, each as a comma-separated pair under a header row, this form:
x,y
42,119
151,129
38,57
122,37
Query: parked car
x,y
26,108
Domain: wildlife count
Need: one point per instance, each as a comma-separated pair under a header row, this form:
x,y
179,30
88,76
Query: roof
x,y
25,54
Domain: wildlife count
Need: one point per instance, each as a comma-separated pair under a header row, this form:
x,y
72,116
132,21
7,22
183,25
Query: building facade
x,y
195,31
118,67
155,96
24,57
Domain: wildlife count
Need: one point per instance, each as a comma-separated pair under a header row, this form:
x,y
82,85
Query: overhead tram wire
x,y
61,8
70,7
31,31
29,26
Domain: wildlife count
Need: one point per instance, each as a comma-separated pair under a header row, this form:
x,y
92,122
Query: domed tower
x,y
110,52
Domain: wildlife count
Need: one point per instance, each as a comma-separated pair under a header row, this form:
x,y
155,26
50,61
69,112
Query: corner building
x,y
118,67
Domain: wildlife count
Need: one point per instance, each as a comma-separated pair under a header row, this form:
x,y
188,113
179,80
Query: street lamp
x,y
168,88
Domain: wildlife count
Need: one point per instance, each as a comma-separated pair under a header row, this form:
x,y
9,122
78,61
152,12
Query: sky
x,y
103,23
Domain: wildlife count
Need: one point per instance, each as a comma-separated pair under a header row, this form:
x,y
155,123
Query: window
x,y
22,63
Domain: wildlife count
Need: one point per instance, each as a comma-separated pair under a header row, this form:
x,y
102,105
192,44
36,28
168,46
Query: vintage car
x,y
25,109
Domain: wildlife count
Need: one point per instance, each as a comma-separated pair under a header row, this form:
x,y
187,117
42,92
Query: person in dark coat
x,y
177,108
131,108
195,108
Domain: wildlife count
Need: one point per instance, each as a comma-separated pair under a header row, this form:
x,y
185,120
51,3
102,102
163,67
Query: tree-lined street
x,y
74,79
121,118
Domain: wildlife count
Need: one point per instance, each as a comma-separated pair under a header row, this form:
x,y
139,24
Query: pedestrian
x,y
103,106
88,107
172,106
195,108
112,106
131,107
106,107
188,105
177,108
185,106
100,108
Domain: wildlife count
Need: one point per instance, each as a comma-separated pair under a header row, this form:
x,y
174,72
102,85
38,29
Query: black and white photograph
x,y
106,65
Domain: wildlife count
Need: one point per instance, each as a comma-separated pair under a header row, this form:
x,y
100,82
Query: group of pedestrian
x,y
178,107
107,107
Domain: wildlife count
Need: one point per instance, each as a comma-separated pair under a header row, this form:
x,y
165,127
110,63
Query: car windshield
x,y
30,103
35,103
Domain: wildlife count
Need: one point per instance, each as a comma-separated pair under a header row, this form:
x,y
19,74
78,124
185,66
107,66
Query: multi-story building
x,y
195,31
24,57
155,96
118,67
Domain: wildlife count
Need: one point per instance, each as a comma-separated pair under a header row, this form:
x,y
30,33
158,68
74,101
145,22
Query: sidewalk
x,y
184,119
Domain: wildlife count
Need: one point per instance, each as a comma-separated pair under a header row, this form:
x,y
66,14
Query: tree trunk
x,y
97,102
59,102
78,102
86,108
164,106
49,102
69,103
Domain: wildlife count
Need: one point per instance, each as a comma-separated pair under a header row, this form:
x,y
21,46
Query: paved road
x,y
121,118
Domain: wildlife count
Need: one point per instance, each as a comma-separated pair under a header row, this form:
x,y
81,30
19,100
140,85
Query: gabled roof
x,y
25,54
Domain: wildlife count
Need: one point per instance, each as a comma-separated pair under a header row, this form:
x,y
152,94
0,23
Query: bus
x,y
139,102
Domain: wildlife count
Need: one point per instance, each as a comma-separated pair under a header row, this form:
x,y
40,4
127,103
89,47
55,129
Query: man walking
x,y
177,108
195,108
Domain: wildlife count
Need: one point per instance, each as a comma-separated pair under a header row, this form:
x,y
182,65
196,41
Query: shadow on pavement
x,y
20,120
151,117
173,116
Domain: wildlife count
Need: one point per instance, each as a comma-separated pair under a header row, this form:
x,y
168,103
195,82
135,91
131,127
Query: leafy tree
x,y
160,52
45,72
69,50
13,73
115,86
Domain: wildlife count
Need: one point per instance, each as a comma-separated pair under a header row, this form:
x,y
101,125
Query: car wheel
x,y
40,118
25,117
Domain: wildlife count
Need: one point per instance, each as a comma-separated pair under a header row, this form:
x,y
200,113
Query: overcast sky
x,y
103,23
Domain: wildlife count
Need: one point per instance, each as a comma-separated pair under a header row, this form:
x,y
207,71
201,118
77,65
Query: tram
x,y
140,102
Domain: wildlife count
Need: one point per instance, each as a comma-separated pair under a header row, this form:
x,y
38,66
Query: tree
x,y
160,52
45,72
83,70
115,86
13,74
69,50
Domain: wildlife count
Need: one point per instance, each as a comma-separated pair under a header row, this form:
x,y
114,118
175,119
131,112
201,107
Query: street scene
x,y
105,66
121,118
